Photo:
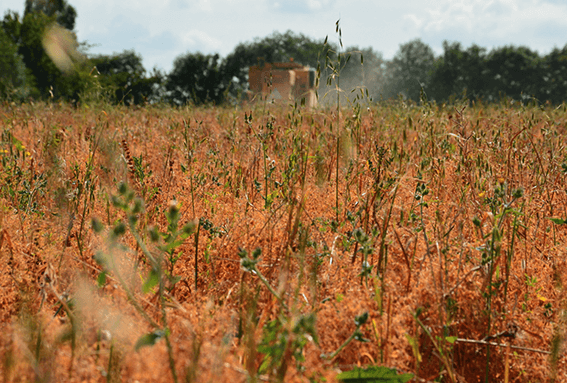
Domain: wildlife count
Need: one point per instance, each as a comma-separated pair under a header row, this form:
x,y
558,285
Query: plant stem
x,y
342,346
196,254
265,282
164,320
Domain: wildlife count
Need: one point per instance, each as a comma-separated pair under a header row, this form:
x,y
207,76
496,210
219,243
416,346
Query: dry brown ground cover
x,y
437,225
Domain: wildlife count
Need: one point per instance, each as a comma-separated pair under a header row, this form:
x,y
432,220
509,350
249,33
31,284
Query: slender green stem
x,y
265,282
164,322
141,243
338,147
342,346
196,254
442,355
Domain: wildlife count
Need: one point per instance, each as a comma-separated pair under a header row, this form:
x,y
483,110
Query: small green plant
x,y
443,346
161,263
501,206
284,338
170,240
19,183
249,263
364,246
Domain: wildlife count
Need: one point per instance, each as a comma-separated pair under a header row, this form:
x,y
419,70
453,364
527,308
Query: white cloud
x,y
205,5
317,5
491,23
197,39
301,6
415,20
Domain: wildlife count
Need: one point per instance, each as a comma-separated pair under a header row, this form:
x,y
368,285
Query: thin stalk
x,y
264,152
489,302
337,150
164,320
509,258
196,254
86,179
444,359
267,284
342,346
141,244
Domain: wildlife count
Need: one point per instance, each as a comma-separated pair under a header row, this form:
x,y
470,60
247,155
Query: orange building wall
x,y
281,82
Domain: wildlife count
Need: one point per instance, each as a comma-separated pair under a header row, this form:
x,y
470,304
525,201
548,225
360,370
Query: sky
x,y
162,30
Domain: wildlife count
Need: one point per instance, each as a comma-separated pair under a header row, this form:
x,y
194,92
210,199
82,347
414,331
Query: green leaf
x,y
169,247
256,253
476,221
361,319
18,144
242,253
101,280
149,339
151,282
451,339
558,221
173,280
122,188
374,374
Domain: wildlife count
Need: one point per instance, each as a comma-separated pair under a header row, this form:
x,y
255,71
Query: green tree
x,y
410,70
196,78
28,34
459,72
12,26
553,84
124,76
513,72
46,75
63,13
474,72
13,79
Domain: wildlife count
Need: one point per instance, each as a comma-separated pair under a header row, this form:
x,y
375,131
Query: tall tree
x,y
459,72
196,78
44,72
123,75
64,13
553,84
513,72
13,80
47,77
410,69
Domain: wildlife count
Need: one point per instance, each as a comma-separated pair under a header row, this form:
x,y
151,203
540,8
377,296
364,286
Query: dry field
x,y
230,245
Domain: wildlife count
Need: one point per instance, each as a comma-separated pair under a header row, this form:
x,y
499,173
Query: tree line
x,y
473,73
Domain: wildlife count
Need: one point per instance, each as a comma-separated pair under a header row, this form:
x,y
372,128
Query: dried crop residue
x,y
445,226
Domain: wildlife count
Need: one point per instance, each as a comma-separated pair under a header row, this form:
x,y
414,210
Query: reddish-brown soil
x,y
438,262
